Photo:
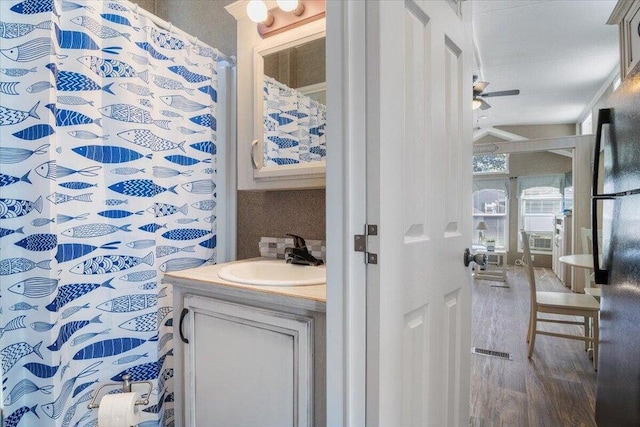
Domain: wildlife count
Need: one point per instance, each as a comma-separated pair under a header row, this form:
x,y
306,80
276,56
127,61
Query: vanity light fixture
x,y
477,103
257,11
287,15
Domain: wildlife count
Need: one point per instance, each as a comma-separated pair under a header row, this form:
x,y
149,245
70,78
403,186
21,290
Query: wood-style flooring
x,y
555,388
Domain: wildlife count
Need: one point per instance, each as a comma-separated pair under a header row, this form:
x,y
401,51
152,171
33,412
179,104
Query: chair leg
x,y
532,337
596,338
587,332
529,326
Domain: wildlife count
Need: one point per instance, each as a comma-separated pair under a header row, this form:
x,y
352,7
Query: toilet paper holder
x,y
126,388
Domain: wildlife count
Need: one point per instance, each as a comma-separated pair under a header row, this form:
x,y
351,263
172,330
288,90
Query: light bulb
x,y
257,11
476,103
288,5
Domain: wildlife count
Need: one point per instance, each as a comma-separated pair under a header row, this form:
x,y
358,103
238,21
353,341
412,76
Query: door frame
x,y
346,213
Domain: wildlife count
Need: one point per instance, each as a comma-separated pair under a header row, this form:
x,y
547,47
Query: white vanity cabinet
x,y
253,171
253,357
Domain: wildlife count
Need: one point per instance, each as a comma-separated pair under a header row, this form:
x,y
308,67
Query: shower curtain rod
x,y
231,60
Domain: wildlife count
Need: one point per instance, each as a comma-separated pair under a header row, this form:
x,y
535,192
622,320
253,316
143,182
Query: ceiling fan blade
x,y
484,105
502,93
479,86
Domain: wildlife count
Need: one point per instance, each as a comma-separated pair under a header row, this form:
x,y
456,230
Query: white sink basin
x,y
273,273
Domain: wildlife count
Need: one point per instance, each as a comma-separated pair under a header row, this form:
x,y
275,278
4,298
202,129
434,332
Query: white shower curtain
x,y
108,174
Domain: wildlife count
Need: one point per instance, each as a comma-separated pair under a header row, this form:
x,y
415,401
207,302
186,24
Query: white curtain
x,y
294,126
108,180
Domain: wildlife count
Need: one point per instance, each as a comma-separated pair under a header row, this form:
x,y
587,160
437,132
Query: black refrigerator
x,y
615,211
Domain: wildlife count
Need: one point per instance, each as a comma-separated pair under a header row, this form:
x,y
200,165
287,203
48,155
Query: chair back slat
x,y
527,258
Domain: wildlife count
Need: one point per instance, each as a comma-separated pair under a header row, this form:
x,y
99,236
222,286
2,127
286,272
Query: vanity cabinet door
x,y
247,366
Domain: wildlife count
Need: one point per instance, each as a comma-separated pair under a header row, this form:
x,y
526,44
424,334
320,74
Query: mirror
x,y
292,104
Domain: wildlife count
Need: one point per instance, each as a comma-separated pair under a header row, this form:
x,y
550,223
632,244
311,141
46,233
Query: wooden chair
x,y
563,303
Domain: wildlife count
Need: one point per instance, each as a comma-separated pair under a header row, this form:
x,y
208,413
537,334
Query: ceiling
x,y
557,52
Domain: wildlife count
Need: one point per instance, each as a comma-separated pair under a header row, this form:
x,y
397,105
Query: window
x,y
586,127
538,206
491,163
490,206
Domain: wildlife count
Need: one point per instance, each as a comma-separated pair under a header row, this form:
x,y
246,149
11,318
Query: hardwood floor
x,y
555,388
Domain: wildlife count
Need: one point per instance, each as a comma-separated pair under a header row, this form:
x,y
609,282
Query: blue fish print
x,y
42,326
137,89
206,120
12,30
205,205
69,329
116,202
9,116
85,337
58,198
109,347
189,76
164,209
163,39
154,53
165,250
78,40
10,155
73,100
7,232
127,171
8,179
129,359
76,185
205,146
17,72
69,81
30,7
145,322
39,222
178,264
184,160
40,370
70,251
109,153
68,293
117,6
128,303
16,416
141,244
209,243
69,5
51,170
35,287
146,138
20,265
112,68
38,242
164,172
35,132
10,355
102,31
110,264
71,118
32,50
118,19
284,161
140,188
182,103
118,214
39,87
131,114
15,208
185,234
145,372
209,91
152,228
54,409
24,387
139,276
201,186
283,142
319,151
9,88
86,231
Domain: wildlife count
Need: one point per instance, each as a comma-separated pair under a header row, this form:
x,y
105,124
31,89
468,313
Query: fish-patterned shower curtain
x,y
107,180
294,126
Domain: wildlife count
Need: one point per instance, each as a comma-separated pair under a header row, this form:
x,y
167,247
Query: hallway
x,y
555,388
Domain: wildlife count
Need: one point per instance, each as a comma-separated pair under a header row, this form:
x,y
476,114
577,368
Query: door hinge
x,y
360,243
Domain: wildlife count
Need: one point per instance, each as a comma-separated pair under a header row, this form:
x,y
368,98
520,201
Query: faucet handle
x,y
298,242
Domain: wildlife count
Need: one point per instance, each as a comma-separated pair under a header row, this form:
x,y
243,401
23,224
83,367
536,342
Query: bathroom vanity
x,y
249,355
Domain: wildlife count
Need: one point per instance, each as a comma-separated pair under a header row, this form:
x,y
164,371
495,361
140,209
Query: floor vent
x,y
491,353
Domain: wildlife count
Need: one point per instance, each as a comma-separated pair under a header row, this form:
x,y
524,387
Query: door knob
x,y
480,259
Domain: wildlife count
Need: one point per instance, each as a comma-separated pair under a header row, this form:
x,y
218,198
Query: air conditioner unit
x,y
538,242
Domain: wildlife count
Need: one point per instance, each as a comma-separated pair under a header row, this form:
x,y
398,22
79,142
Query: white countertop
x,y
207,276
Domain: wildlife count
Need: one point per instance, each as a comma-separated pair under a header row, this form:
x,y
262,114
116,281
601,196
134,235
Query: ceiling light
x,y
258,12
477,103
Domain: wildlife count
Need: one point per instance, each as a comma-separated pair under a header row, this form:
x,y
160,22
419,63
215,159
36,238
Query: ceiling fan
x,y
479,94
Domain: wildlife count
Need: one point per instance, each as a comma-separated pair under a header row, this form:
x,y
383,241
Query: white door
x,y
419,92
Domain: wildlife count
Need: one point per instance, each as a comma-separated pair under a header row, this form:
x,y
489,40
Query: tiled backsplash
x,y
273,247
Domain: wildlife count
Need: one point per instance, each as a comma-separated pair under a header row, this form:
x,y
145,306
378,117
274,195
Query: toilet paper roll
x,y
118,410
